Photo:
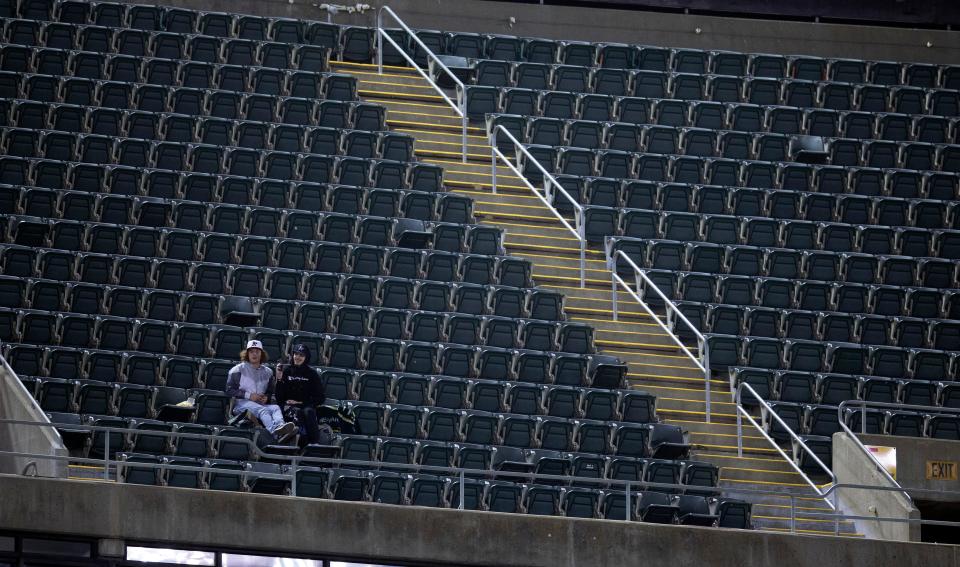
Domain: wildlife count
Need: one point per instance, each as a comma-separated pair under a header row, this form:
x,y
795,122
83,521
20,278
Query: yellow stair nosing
x,y
398,94
338,62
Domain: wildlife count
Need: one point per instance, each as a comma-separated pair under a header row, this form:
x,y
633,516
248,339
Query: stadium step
x,y
656,364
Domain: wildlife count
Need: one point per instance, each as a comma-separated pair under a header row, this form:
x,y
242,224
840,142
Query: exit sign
x,y
941,470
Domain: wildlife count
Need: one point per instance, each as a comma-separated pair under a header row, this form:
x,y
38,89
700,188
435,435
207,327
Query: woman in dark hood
x,y
299,391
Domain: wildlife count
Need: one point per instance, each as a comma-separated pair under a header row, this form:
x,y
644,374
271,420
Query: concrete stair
x,y
531,231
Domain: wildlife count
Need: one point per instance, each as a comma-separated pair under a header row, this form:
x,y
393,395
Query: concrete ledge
x,y
299,526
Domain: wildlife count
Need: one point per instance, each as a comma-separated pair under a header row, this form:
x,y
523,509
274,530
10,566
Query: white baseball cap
x,y
255,344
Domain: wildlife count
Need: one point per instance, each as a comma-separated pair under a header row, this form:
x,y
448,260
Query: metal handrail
x,y
742,412
297,461
863,404
701,360
550,187
460,107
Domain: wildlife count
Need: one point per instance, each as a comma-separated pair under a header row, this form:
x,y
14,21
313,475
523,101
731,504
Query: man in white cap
x,y
252,384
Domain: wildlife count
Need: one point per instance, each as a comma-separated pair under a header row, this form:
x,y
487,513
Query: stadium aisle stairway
x,y
532,232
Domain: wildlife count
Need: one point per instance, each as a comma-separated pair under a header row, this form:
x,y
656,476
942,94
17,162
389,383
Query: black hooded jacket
x,y
300,383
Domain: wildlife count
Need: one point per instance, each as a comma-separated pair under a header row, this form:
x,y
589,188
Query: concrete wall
x,y
633,26
912,457
852,466
383,533
16,403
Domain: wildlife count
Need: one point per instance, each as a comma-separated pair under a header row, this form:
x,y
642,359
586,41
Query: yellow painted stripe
x,y
637,345
764,482
760,450
410,95
428,124
393,102
637,323
811,532
761,471
476,183
712,402
433,133
784,506
338,63
622,314
457,144
425,152
692,412
804,518
738,458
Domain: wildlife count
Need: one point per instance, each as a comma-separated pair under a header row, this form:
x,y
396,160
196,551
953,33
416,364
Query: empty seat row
x,y
148,152
765,262
166,45
602,222
131,72
436,491
119,301
782,293
791,93
520,397
821,326
128,400
155,123
788,203
651,58
36,326
182,100
832,389
277,283
22,34
657,167
352,43
840,358
207,159
823,421
514,430
164,189
809,295
740,117
186,242
342,351
177,374
182,128
705,142
516,464
163,18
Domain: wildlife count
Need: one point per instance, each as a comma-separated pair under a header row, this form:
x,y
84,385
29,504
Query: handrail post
x,y
463,488
627,503
106,456
793,514
739,424
583,246
380,33
863,418
293,474
705,357
462,92
493,161
613,289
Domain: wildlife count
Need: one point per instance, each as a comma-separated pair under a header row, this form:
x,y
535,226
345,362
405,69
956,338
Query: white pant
x,y
271,416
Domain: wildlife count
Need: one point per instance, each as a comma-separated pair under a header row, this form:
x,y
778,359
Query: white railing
x,y
642,281
743,413
460,106
551,188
